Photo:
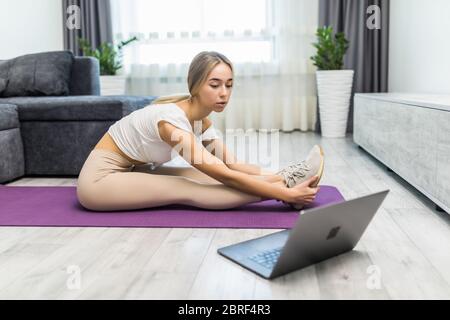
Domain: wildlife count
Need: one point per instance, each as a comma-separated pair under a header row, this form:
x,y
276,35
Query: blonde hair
x,y
199,69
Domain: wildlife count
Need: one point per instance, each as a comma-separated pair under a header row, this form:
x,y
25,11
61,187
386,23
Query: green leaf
x,y
330,50
108,55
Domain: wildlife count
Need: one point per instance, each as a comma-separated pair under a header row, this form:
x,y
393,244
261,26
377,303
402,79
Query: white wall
x,y
419,46
28,26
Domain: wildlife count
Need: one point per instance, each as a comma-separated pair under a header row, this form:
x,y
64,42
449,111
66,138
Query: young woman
x,y
215,179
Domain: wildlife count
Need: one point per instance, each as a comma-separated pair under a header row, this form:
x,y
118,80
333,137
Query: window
x,y
173,31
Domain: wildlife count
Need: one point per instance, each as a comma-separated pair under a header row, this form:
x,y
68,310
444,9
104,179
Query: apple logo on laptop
x,y
333,233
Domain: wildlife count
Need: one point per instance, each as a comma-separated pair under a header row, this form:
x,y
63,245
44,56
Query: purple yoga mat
x,y
58,206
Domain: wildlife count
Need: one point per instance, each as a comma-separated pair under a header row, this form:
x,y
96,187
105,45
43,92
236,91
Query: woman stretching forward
x,y
215,180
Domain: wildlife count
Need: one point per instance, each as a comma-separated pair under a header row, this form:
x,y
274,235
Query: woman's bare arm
x,y
218,149
194,153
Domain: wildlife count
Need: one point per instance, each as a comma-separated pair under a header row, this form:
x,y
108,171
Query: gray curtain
x,y
368,49
95,24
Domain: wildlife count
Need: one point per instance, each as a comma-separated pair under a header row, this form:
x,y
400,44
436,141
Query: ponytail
x,y
171,98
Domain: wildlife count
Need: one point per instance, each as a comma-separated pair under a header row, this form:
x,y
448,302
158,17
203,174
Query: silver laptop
x,y
318,234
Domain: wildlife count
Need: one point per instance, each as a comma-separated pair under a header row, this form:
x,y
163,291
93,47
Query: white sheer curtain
x,y
268,41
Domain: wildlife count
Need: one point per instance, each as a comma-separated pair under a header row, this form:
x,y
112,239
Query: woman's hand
x,y
302,193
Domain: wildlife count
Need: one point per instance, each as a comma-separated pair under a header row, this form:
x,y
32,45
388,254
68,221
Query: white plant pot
x,y
334,88
112,85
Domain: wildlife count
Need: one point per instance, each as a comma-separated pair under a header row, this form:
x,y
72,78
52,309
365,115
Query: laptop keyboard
x,y
267,258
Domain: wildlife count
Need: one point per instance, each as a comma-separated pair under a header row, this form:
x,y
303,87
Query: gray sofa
x,y
53,135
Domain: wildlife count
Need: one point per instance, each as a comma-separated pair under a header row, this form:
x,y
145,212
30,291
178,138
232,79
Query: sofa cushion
x,y
38,74
85,77
66,145
3,84
76,108
12,164
5,65
8,117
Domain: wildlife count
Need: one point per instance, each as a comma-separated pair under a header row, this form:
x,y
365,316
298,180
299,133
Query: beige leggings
x,y
109,182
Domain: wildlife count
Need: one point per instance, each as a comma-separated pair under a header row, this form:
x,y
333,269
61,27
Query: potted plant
x,y
110,59
334,85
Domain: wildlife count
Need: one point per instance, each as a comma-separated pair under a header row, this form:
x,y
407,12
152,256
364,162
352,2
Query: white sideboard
x,y
410,134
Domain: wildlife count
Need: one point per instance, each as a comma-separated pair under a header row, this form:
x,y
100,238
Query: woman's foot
x,y
308,198
312,166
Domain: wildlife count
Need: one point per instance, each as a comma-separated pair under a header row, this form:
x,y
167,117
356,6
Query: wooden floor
x,y
404,254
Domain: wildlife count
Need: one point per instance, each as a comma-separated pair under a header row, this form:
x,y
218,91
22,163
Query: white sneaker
x,y
297,173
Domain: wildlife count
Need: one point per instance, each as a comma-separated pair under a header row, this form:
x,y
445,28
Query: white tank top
x,y
137,134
